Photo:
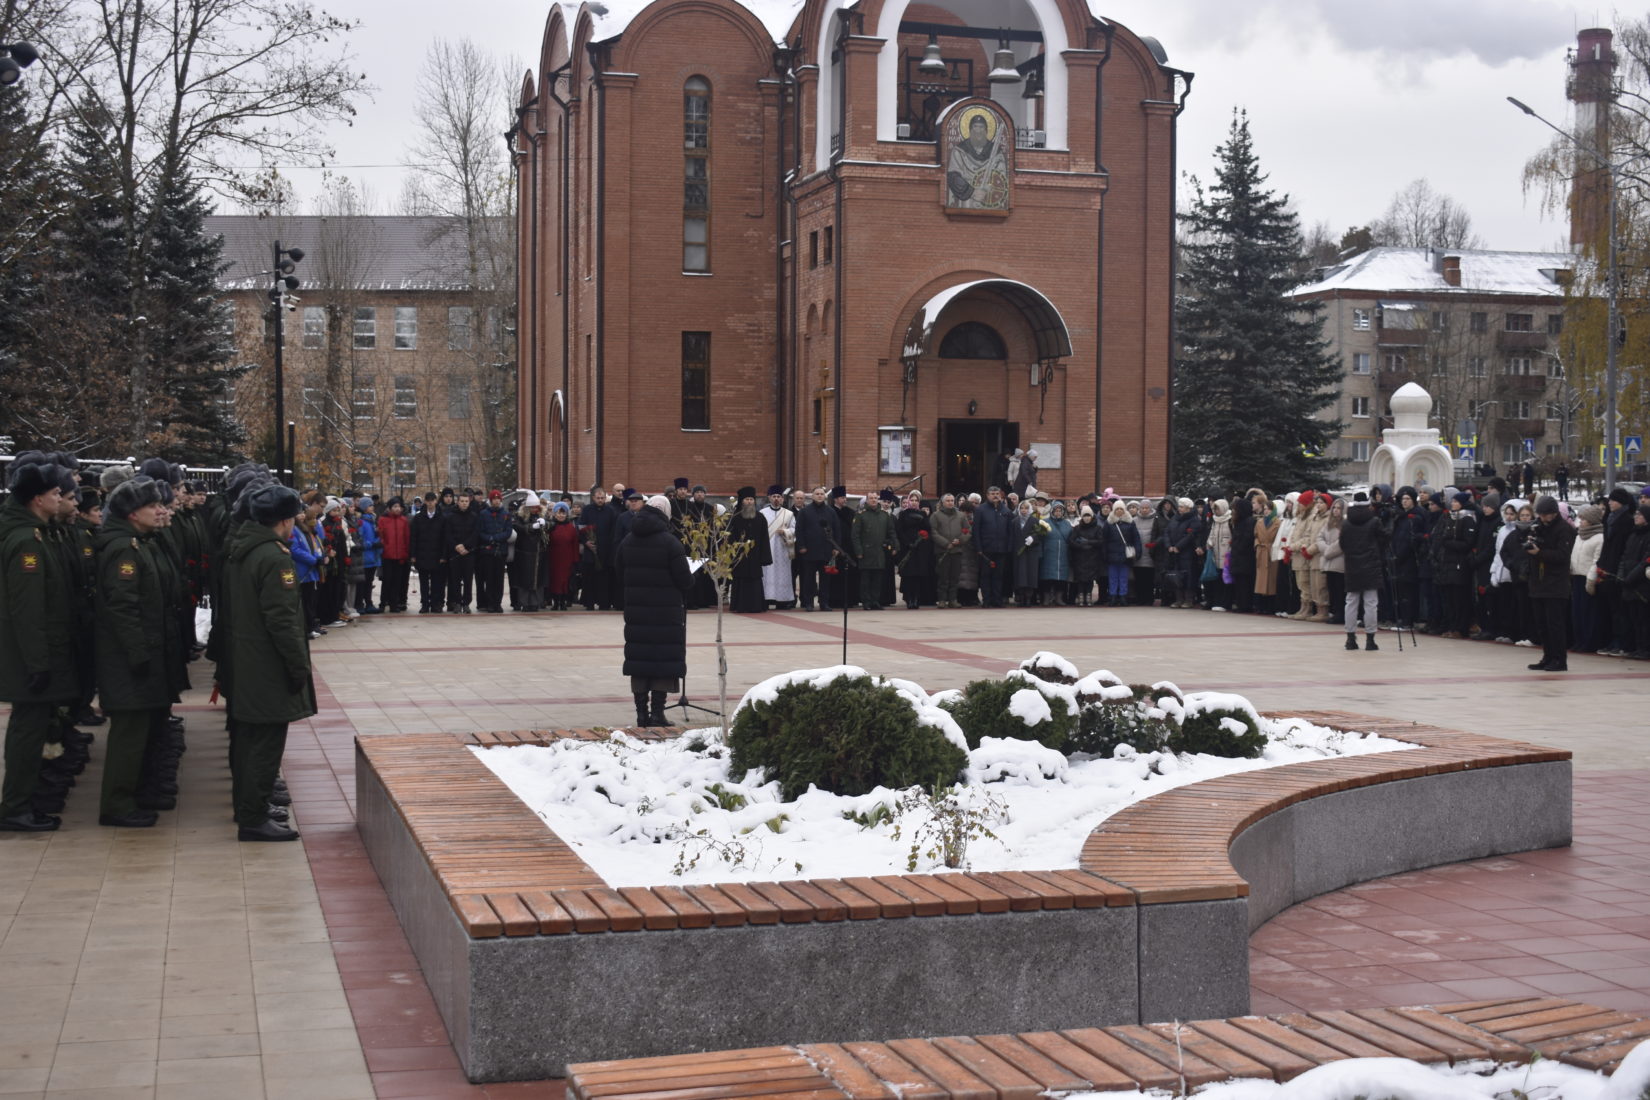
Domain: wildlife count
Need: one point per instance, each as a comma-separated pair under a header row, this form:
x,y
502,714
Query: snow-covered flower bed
x,y
1401,1079
647,813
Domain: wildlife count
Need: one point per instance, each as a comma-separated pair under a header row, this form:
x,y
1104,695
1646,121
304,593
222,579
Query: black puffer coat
x,y
654,565
1363,548
1452,541
1550,569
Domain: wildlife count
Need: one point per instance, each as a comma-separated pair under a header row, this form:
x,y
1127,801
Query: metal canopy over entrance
x,y
1047,326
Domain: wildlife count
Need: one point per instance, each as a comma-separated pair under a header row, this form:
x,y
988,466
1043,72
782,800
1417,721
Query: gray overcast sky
x,y
1347,102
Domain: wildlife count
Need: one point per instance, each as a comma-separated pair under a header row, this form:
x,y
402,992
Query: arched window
x,y
696,175
973,340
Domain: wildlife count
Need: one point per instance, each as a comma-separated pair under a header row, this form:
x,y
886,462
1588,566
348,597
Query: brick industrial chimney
x,y
1591,87
1449,266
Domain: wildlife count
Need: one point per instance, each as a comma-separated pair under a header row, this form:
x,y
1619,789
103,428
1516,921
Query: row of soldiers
x,y
99,589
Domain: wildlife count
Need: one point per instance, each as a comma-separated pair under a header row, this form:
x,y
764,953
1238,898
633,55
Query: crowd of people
x,y
1469,562
102,579
101,582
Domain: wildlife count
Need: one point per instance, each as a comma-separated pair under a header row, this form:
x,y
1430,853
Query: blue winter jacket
x,y
303,552
1056,563
495,530
372,547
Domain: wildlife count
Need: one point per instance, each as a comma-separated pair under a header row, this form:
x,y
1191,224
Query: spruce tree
x,y
1252,367
189,342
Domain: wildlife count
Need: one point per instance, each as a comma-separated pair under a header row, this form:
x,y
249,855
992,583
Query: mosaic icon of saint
x,y
976,176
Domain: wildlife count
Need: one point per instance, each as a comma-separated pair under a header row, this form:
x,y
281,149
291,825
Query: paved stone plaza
x,y
175,962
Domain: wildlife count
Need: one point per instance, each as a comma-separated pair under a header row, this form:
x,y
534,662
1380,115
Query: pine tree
x,y
61,287
1253,367
189,344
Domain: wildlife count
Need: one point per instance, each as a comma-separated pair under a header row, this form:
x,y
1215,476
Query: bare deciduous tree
x,y
1419,217
460,171
204,87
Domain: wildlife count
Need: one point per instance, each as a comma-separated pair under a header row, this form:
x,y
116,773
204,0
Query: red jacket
x,y
396,535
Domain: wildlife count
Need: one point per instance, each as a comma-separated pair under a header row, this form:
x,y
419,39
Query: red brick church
x,y
821,242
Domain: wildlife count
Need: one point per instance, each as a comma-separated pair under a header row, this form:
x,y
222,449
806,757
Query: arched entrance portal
x,y
985,353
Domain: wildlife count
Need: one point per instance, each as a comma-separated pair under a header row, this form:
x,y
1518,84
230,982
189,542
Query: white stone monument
x,y
1410,452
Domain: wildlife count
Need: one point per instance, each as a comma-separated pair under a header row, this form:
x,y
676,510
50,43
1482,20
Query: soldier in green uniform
x,y
37,672
874,545
132,656
269,651
83,531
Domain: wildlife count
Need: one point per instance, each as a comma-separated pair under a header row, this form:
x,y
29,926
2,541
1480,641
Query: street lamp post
x,y
1612,430
285,261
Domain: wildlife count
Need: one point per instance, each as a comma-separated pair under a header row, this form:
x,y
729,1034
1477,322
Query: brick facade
x,y
816,266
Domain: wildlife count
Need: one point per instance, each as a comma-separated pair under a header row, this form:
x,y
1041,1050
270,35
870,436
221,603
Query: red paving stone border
x,y
1173,1058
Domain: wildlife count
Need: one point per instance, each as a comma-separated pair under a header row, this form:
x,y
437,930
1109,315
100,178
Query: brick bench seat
x,y
1170,1057
1153,924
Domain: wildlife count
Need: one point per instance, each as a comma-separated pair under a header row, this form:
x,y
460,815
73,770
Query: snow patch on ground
x,y
1401,1079
646,813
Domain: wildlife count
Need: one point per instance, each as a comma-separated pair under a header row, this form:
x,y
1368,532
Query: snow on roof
x,y
1399,270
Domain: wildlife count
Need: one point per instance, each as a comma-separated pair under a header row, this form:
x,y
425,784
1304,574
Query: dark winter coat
x,y
1617,525
1483,547
654,565
530,543
993,529
270,649
1028,560
1121,536
1086,542
36,611
1634,567
1243,536
135,646
462,527
429,539
1182,533
874,542
1452,541
1550,575
1408,525
1363,548
916,544
818,534
603,522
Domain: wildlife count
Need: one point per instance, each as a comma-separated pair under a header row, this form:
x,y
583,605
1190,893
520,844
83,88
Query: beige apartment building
x,y
398,358
1478,329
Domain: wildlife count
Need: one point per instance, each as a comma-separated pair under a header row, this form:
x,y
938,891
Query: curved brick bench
x,y
1173,1058
517,935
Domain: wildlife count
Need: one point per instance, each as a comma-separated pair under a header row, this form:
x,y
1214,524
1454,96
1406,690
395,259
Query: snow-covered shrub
x,y
1008,708
1051,667
1151,693
1101,727
847,734
1218,724
1101,687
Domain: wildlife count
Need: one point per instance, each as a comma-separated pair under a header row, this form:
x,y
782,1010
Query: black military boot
x,y
657,717
642,718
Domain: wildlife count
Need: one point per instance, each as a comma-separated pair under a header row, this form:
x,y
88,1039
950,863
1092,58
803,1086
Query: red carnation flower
x,y
922,534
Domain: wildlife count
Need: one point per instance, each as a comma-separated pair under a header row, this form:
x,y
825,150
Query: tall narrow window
x,y
315,326
458,328
366,327
406,328
695,381
406,397
696,175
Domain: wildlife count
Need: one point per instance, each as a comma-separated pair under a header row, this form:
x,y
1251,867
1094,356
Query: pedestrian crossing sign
x,y
1634,444
1604,455
1467,453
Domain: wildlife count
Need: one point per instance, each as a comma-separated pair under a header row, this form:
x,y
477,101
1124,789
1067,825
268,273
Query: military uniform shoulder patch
x,y
289,577
128,569
31,563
